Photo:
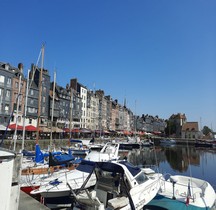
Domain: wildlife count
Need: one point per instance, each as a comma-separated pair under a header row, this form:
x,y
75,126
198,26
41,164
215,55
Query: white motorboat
x,y
56,192
77,147
147,143
184,192
119,185
167,141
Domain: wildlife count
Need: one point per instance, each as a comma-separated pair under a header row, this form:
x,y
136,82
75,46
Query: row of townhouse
x,y
71,107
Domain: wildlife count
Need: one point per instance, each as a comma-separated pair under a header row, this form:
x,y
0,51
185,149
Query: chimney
x,y
20,67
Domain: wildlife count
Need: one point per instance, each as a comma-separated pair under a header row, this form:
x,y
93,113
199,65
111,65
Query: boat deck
x,y
162,203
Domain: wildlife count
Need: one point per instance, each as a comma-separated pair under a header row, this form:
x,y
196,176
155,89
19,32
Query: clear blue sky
x,y
158,54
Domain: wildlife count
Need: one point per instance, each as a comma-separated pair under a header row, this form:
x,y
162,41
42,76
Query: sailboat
x,y
35,169
56,192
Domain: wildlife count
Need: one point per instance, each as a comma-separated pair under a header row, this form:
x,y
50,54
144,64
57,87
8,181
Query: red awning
x,y
66,130
13,127
84,130
30,128
75,130
126,132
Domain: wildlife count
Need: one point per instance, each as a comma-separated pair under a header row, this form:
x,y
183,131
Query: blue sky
x,y
158,54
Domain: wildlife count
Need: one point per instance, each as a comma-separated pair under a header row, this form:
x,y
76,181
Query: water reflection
x,y
185,160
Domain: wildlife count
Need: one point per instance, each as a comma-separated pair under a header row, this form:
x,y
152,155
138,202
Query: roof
x,y
190,126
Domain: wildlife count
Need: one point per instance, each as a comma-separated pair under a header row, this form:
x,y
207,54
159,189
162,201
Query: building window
x,y
32,92
7,108
8,93
9,82
1,92
2,79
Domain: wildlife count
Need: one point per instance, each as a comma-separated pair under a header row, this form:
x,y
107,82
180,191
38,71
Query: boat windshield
x,y
141,178
133,169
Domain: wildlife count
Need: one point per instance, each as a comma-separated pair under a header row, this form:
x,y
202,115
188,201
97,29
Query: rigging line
x,y
34,69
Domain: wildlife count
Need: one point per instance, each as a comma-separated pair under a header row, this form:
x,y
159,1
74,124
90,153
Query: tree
x,y
206,130
171,128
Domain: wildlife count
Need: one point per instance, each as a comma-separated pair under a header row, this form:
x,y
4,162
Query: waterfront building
x,y
74,106
102,110
114,115
178,120
11,80
33,96
81,91
17,95
190,130
61,106
92,111
108,111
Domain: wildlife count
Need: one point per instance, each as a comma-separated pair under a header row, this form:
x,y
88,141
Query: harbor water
x,y
177,160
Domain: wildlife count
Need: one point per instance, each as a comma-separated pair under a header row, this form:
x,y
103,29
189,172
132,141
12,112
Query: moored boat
x,y
56,192
119,185
184,192
167,141
37,171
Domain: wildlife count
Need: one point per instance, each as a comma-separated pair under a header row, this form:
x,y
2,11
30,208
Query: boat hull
x,y
183,192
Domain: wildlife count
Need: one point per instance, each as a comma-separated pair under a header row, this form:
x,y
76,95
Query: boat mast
x,y
39,96
53,101
71,111
17,110
25,111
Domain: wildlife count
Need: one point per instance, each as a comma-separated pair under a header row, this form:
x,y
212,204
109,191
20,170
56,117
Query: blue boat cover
x,y
133,169
75,141
163,203
53,153
39,157
88,166
28,153
64,157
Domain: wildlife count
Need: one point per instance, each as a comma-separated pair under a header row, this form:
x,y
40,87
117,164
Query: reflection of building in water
x,y
145,156
179,158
